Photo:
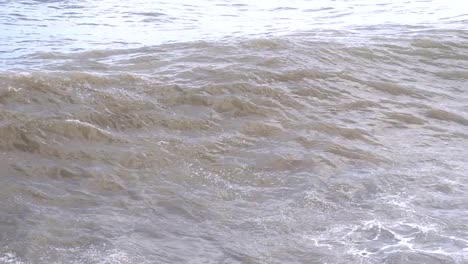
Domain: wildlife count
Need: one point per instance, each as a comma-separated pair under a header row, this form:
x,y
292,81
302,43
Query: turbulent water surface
x,y
233,132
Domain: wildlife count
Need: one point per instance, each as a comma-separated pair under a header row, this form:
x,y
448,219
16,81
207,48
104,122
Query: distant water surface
x,y
70,26
233,131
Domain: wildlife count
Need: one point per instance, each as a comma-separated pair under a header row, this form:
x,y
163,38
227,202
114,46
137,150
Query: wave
x,y
281,149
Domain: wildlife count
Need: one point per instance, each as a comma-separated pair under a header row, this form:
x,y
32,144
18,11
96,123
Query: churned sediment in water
x,y
340,148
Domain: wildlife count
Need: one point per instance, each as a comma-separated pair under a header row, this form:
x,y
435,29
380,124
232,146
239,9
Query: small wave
x,y
447,116
406,118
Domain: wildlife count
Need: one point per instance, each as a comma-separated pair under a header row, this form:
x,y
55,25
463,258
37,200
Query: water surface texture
x,y
233,131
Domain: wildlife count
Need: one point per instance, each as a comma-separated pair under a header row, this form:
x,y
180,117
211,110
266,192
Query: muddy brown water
x,y
233,132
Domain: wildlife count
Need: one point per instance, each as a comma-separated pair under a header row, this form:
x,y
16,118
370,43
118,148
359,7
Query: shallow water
x,y
232,132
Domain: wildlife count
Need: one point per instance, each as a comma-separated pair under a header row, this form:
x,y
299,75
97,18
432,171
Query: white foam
x,y
88,125
10,258
402,242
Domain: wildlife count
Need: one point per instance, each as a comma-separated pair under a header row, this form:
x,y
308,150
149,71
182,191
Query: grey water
x,y
216,131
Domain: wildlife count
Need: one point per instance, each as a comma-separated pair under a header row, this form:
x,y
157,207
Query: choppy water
x,y
233,132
